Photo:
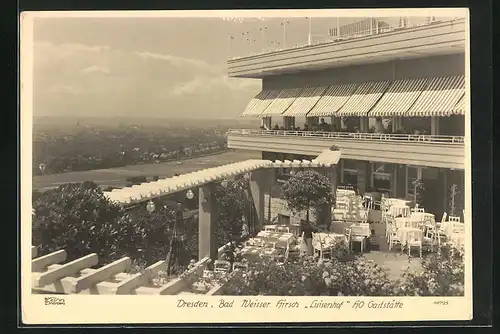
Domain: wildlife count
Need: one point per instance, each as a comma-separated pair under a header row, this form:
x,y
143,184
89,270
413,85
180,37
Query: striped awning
x,y
439,98
305,102
459,108
365,97
332,100
260,102
282,102
399,97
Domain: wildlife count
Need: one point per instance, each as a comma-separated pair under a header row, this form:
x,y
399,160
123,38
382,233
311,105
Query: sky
x,y
154,67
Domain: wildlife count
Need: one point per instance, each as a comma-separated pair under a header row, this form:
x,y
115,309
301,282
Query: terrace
x,y
357,225
366,41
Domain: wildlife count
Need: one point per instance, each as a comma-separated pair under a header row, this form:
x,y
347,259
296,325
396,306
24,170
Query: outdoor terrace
x,y
357,47
428,150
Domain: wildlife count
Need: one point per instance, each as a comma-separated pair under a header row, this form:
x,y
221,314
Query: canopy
x,y
400,96
439,98
260,102
282,102
305,102
332,100
365,97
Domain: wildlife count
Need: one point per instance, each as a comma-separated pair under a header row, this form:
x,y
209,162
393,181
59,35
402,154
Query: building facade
x,y
393,101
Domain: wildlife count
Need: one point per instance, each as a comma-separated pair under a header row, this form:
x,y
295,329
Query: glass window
x,y
412,176
350,164
382,183
350,178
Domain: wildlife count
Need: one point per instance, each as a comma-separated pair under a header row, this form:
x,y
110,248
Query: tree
x,y
79,219
307,189
233,206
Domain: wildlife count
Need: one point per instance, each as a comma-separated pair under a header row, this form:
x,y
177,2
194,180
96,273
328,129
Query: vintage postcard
x,y
246,166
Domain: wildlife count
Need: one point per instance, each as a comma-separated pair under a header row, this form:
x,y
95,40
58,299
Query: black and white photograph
x,y
246,165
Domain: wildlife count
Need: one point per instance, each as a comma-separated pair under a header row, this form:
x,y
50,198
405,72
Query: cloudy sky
x,y
161,67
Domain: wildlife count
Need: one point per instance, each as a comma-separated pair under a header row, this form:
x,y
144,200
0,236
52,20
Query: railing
x,y
459,140
362,28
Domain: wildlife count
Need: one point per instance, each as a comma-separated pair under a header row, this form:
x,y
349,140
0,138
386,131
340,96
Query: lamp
x,y
41,167
224,183
246,176
189,194
292,172
150,207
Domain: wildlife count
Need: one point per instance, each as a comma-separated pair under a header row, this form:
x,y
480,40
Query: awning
x,y
399,97
260,102
439,98
305,102
367,94
332,100
281,103
459,108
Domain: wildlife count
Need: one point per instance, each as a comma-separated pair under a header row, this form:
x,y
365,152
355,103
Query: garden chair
x,y
454,219
394,239
415,239
283,229
240,266
432,237
285,257
208,273
418,210
270,228
222,266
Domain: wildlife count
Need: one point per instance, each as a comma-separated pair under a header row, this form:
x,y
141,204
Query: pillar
x,y
326,210
394,180
445,190
207,220
259,181
363,167
364,124
434,125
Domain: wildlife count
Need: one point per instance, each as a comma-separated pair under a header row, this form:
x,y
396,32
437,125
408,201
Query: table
x,y
361,230
402,222
280,238
423,217
405,234
448,228
457,239
253,253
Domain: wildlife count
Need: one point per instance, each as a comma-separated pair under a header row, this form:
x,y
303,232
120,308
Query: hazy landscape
x,y
110,151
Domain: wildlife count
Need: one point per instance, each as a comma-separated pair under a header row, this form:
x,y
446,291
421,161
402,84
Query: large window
x,y
412,174
381,177
349,172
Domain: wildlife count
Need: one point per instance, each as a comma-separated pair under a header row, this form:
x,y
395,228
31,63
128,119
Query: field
x,y
116,176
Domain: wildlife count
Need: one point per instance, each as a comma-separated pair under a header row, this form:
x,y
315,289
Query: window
x,y
381,177
412,174
350,177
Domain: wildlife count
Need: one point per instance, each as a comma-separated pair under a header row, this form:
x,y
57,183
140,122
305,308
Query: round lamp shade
x,y
150,206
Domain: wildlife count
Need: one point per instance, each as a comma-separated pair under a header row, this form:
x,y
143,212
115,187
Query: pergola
x,y
260,177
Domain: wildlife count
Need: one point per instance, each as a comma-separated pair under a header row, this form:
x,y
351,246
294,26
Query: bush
x,y
79,219
442,275
344,276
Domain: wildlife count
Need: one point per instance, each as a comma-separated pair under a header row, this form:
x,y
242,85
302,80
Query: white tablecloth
x,y
409,233
422,216
403,222
458,240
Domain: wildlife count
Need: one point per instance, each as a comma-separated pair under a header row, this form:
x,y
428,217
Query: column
x,y
445,190
325,216
363,124
434,125
259,180
362,175
207,220
394,180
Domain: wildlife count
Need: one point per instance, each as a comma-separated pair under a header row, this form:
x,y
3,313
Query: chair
x,y
222,266
270,228
394,239
415,239
285,257
208,274
240,266
454,219
418,210
283,229
354,238
432,237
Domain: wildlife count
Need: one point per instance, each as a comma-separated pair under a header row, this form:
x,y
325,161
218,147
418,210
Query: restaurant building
x,y
394,101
